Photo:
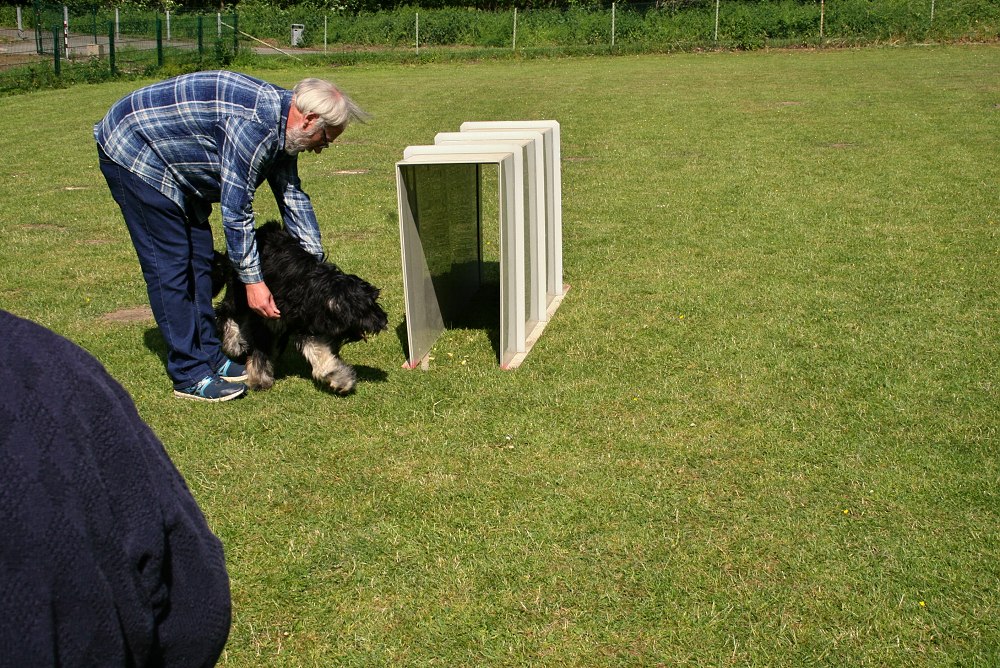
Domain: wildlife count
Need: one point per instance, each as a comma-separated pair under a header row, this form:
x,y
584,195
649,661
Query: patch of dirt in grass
x,y
42,226
133,314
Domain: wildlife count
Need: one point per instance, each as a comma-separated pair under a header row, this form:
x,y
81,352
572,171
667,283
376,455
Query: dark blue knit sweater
x,y
105,557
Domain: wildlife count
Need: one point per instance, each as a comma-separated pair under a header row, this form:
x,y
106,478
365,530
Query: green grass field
x,y
761,430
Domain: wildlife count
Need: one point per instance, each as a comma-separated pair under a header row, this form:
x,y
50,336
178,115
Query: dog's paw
x,y
233,342
260,373
260,383
341,380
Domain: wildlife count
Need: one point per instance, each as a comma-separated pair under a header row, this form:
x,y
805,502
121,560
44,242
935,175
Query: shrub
x,y
582,26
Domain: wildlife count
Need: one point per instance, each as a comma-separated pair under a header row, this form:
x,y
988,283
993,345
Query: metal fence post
x,y
111,47
39,46
513,45
55,50
716,20
201,36
236,33
159,41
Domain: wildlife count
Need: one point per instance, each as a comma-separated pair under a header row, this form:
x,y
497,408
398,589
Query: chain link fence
x,y
47,39
55,38
656,25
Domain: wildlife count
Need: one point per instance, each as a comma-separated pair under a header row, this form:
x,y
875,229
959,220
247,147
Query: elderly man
x,y
168,152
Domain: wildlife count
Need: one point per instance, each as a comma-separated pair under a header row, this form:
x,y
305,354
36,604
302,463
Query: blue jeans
x,y
175,248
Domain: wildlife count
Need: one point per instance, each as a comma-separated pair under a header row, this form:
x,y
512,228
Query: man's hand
x,y
261,300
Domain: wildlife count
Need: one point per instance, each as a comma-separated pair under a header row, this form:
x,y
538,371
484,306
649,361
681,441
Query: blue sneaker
x,y
232,372
212,388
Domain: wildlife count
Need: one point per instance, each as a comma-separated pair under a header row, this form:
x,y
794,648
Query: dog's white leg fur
x,y
327,367
260,371
234,343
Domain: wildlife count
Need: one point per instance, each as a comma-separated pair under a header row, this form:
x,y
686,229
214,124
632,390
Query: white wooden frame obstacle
x,y
552,162
440,224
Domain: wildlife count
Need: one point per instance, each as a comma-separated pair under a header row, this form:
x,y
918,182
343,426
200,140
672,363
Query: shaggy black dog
x,y
322,308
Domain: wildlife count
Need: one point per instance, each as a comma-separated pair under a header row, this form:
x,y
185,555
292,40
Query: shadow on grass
x,y
481,312
290,362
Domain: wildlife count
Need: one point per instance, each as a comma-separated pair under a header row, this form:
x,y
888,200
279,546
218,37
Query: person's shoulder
x,y
218,80
26,337
241,79
31,351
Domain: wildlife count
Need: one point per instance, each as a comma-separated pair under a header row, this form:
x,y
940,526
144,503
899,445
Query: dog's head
x,y
352,310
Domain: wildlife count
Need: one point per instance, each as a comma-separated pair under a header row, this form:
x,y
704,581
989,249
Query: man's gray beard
x,y
295,141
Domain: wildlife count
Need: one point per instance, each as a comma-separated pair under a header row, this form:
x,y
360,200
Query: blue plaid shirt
x,y
214,137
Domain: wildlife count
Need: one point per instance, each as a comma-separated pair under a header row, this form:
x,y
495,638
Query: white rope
x,y
270,46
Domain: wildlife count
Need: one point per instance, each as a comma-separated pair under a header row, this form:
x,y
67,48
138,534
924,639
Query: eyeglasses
x,y
329,134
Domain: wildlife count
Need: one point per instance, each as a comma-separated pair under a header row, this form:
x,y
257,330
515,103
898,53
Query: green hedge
x,y
741,24
672,24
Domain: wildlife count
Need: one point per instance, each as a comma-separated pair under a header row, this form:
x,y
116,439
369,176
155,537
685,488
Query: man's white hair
x,y
317,96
